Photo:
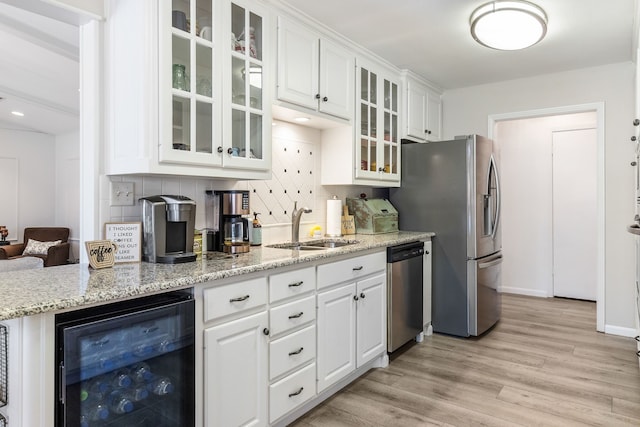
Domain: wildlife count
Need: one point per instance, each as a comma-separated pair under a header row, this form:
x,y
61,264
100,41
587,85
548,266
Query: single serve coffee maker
x,y
227,229
168,224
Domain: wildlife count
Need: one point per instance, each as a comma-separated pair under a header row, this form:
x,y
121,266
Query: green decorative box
x,y
373,216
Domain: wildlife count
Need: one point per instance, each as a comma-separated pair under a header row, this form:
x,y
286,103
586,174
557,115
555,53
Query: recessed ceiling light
x,y
17,113
508,24
301,119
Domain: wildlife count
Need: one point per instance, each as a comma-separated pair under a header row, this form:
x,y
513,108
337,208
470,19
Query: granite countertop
x,y
30,292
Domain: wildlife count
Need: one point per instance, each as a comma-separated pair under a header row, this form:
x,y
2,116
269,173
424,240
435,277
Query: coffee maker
x,y
168,224
227,229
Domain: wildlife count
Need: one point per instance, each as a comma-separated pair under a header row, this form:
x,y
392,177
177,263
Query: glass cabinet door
x,y
243,144
190,53
378,143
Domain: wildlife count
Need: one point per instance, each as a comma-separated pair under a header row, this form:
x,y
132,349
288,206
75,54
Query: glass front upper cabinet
x,y
378,142
188,33
245,138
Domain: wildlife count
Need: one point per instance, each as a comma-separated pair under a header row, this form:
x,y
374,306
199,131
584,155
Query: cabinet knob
x,y
362,295
265,331
219,149
325,99
637,338
380,169
633,138
426,252
634,163
636,122
355,298
229,151
317,96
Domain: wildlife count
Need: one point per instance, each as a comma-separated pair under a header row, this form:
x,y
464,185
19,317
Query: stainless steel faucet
x,y
295,221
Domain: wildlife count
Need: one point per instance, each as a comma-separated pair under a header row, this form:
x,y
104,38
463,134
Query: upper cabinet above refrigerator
x,y
421,109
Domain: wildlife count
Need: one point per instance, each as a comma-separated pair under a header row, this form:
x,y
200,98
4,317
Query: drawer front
x,y
293,314
291,351
291,392
234,298
350,269
291,283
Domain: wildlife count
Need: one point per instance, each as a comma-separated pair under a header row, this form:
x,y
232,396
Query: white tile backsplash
x,y
295,177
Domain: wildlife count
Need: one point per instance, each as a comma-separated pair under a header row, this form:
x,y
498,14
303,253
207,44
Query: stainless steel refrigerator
x,y
452,188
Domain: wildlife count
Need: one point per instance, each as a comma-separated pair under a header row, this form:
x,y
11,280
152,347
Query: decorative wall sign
x,y
101,253
128,237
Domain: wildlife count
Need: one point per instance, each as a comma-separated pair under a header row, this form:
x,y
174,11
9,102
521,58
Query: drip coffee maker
x,y
227,228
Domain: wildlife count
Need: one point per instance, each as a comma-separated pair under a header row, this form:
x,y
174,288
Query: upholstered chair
x,y
48,243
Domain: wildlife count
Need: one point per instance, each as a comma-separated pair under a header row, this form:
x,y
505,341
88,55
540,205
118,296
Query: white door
x,y
371,318
236,377
574,214
336,334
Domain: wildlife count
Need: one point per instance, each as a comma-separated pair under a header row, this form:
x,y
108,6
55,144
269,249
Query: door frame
x,y
598,108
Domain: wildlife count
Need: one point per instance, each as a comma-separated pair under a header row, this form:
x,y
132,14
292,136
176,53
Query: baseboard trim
x,y
619,330
523,291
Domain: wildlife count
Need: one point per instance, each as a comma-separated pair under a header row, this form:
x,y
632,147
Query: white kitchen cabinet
x,y
422,110
236,372
169,74
367,153
314,72
351,319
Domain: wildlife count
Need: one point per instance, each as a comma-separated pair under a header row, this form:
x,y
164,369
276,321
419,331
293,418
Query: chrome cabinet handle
x,y
296,316
295,393
358,268
298,351
244,298
296,284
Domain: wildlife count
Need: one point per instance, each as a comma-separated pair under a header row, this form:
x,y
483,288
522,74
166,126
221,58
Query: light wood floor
x,y
543,364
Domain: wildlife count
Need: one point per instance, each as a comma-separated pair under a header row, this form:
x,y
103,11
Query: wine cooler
x,y
127,364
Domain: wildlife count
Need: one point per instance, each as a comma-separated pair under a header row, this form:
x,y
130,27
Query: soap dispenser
x,y
256,230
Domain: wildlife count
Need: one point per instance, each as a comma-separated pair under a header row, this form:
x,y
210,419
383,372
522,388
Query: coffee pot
x,y
227,227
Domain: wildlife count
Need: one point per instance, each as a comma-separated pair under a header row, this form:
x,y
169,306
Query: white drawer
x,y
291,351
234,298
293,314
350,269
291,283
291,392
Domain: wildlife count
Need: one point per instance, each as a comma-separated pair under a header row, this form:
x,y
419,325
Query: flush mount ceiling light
x,y
508,25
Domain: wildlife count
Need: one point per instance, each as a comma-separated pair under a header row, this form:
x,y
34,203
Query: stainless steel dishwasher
x,y
404,293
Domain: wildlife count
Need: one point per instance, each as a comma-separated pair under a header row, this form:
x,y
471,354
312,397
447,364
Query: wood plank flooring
x,y
542,365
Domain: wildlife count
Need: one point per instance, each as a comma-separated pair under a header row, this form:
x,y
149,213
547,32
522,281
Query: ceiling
x,y
39,59
432,38
39,56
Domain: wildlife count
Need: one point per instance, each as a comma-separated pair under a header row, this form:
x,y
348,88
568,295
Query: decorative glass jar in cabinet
x,y
377,140
245,110
187,61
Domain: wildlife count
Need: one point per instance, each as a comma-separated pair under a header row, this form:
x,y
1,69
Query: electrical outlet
x,y
122,194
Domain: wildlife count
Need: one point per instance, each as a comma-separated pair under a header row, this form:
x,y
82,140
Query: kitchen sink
x,y
313,245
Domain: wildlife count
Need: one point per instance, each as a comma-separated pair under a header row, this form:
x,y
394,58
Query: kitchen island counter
x,y
30,292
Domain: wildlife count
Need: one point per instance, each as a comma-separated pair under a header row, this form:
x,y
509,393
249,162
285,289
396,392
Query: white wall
x,y
272,198
67,200
466,111
525,153
32,202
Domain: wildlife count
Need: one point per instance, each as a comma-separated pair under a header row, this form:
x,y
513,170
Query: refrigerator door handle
x,y
497,217
491,263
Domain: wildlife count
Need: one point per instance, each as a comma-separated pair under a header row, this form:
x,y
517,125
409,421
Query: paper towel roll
x,y
334,211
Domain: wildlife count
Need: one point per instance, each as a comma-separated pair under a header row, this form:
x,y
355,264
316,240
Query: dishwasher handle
x,y
405,251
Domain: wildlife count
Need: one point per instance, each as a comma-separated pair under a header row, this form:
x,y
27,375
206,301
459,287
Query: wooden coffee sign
x,y
101,253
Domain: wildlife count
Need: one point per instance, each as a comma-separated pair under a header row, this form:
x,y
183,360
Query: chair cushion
x,y
36,247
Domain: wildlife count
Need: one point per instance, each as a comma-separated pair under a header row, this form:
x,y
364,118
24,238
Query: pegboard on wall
x,y
293,179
